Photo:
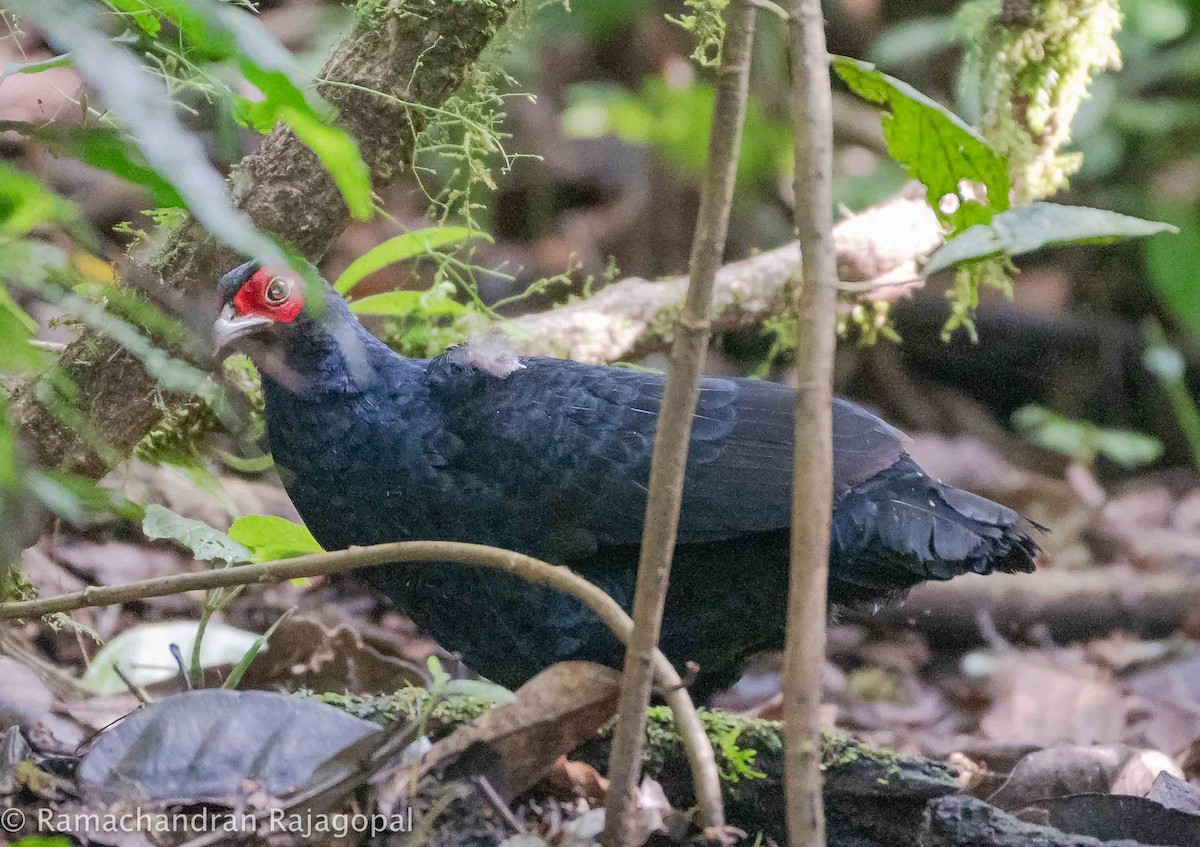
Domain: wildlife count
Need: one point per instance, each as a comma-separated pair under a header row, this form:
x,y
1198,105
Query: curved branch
x,y
698,747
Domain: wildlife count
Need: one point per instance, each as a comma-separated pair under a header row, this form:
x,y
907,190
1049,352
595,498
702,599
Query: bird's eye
x,y
278,291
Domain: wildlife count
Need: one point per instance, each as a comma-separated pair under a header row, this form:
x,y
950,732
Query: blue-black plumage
x,y
551,458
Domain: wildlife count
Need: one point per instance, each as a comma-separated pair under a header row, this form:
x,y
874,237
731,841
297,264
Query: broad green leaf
x,y
224,32
269,538
17,355
934,145
1038,225
101,148
8,449
142,106
144,653
80,500
419,242
205,542
1173,265
400,303
25,203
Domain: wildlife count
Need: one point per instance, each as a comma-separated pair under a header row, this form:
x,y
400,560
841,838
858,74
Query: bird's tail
x,y
902,527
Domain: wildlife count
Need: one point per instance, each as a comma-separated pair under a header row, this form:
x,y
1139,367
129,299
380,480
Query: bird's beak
x,y
230,326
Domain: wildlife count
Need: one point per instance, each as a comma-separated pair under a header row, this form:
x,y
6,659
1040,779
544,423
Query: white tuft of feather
x,y
491,354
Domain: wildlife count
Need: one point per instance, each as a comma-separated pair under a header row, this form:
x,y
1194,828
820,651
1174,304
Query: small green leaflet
x,y
1039,225
1084,441
419,242
205,542
269,538
934,145
13,68
400,303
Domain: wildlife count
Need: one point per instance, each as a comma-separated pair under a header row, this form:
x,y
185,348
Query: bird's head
x,y
263,313
257,303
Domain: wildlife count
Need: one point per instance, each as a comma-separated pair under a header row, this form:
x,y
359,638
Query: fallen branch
x,y
881,246
404,57
671,687
672,435
1070,606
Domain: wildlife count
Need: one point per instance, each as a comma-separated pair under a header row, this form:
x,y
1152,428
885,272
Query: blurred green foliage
x,y
675,121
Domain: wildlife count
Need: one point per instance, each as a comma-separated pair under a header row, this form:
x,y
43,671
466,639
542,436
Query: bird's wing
x,y
575,441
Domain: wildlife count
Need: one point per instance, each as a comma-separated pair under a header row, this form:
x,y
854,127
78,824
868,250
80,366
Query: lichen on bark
x,y
1034,61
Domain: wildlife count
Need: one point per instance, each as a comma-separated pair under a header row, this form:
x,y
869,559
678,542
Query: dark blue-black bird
x,y
551,458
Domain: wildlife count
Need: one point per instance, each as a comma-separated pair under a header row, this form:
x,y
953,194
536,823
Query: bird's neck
x,y
332,355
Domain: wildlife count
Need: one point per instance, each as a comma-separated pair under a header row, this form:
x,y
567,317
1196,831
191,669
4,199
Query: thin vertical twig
x,y
674,432
812,487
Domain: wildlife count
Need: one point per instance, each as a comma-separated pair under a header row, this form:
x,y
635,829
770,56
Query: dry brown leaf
x,y
23,696
513,745
1040,703
306,653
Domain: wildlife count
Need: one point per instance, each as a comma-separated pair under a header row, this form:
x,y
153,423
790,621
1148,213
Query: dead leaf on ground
x,y
13,751
1066,770
1175,793
306,653
24,698
571,780
513,745
1036,702
206,746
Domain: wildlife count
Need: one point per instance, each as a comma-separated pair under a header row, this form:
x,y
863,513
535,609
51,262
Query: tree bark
x,y
402,57
812,488
673,433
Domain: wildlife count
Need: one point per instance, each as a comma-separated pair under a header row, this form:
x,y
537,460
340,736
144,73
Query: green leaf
x,y
25,203
401,303
1173,265
101,148
144,653
17,355
224,32
269,538
141,103
339,154
36,67
419,242
205,542
1084,441
1039,225
934,145
479,689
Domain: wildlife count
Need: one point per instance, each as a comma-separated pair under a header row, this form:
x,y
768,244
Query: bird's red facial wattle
x,y
263,301
267,295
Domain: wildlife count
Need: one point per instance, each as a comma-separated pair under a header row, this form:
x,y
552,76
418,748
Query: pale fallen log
x,y
881,247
